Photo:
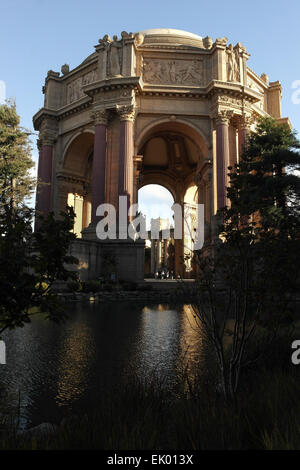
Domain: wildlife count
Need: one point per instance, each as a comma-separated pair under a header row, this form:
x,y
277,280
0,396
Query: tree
x,y
265,181
16,183
30,263
264,210
248,281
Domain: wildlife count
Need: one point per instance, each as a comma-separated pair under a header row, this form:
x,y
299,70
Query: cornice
x,y
63,112
173,47
79,68
259,79
109,84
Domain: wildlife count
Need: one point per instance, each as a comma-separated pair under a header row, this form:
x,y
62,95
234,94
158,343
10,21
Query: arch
x,y
159,250
181,126
70,141
160,179
75,177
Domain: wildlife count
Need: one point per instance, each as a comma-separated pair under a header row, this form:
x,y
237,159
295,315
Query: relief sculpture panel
x,y
74,89
177,72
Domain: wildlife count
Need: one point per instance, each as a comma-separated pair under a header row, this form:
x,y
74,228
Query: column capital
x,y
126,113
47,137
39,144
223,117
246,121
100,116
48,132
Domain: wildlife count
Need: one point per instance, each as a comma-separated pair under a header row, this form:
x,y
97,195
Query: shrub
x,y
91,286
74,286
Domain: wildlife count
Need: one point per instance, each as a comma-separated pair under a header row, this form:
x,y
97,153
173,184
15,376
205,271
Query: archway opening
x,y
75,180
173,152
155,203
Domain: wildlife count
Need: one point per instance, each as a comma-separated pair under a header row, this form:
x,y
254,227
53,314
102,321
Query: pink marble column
x,y
243,133
222,124
125,184
99,162
43,195
242,140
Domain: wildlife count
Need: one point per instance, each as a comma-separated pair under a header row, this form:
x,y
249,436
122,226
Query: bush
x,y
74,286
43,286
91,286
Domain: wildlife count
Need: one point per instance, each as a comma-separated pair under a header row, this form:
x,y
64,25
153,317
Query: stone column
x,y
99,161
137,161
179,244
125,185
86,215
44,185
63,195
243,132
222,124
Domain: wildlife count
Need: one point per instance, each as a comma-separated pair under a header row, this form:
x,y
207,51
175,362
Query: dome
x,y
171,36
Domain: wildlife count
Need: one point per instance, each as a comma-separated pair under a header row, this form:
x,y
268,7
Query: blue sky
x,y
38,35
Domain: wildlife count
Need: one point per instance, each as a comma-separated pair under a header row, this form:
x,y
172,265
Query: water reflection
x,y
74,363
57,368
156,347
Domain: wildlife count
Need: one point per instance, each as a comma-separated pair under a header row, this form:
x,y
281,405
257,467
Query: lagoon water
x,y
53,370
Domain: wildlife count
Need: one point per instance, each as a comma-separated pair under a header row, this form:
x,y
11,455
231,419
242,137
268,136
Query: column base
x,y
89,232
120,259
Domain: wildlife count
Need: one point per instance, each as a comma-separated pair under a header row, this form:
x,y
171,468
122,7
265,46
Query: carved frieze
x,y
74,88
174,72
228,100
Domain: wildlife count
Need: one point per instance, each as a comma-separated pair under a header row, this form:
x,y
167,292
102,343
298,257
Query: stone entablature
x,y
161,64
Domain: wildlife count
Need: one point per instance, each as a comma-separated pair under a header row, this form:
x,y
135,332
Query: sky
x,y
39,35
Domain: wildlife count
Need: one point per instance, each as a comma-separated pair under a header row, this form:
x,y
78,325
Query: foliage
x,y
16,182
91,286
249,277
30,263
74,286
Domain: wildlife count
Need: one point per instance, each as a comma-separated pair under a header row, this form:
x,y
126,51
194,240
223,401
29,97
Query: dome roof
x,y
171,36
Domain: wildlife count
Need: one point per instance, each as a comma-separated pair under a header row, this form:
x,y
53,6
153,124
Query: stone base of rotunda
x,y
122,260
